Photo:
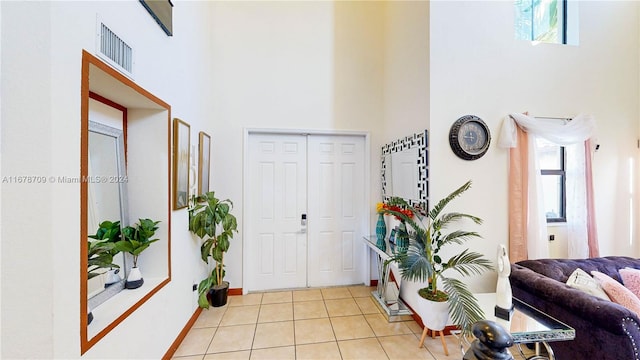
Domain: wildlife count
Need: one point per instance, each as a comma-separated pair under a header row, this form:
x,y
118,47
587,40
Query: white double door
x,y
305,207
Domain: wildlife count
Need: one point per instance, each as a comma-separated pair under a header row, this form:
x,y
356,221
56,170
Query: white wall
x,y
229,66
406,69
27,266
291,65
42,45
477,67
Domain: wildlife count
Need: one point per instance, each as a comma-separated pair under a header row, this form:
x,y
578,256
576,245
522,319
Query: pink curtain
x,y
518,199
592,231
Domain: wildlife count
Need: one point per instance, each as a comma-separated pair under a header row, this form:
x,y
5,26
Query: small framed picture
x,y
204,162
181,146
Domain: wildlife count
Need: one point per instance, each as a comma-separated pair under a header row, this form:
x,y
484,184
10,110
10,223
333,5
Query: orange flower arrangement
x,y
383,208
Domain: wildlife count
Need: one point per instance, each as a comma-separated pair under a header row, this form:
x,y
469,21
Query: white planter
x,y
134,280
434,315
112,277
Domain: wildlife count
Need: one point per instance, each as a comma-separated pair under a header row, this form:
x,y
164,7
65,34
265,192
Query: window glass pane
x,y
523,19
552,185
545,21
549,155
539,20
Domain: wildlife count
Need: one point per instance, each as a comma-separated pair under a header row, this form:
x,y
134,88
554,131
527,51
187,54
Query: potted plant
x,y
102,252
136,239
211,220
423,263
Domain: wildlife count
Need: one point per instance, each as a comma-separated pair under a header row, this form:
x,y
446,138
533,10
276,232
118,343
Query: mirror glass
x,y
405,172
106,200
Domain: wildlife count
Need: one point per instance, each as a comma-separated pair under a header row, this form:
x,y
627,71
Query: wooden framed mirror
x,y
148,172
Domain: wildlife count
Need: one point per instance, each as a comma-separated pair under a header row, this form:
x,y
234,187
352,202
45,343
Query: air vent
x,y
114,49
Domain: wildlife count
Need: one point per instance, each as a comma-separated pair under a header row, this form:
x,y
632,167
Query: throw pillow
x,y
631,279
579,279
617,292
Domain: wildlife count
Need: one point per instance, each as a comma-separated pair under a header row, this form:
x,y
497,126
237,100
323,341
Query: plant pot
x,y
217,295
89,316
434,315
134,280
112,277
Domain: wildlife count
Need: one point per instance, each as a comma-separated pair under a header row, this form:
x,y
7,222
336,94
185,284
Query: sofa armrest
x,y
600,313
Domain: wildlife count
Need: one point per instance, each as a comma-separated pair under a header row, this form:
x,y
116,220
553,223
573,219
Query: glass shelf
x,y
387,294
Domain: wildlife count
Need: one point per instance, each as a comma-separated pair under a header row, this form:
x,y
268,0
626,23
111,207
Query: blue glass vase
x,y
381,232
402,238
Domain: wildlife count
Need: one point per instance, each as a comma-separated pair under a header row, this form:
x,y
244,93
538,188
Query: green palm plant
x,y
422,261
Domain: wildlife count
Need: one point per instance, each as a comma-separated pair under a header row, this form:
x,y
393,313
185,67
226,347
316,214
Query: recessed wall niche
x,y
148,165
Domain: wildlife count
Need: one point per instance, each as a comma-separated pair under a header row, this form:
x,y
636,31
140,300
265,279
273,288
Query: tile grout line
x,y
255,331
333,331
324,298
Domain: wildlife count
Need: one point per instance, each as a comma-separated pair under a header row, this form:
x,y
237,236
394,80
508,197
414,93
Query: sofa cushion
x,y
631,279
617,292
580,280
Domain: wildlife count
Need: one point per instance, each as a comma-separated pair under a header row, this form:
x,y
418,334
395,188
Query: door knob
x,y
303,223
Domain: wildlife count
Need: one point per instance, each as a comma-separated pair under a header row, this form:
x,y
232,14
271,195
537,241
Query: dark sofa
x,y
604,330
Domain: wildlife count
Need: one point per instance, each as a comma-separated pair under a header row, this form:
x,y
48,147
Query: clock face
x,y
472,137
469,137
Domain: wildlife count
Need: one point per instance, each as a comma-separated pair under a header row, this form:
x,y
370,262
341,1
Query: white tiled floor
x,y
328,323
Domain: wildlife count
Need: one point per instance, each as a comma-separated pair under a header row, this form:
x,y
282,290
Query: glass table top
x,y
527,324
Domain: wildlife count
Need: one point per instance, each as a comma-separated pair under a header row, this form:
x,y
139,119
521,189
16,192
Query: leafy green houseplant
x,y
211,220
101,252
423,263
136,239
99,257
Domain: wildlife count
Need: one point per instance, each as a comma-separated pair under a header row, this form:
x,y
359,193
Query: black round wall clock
x,y
469,137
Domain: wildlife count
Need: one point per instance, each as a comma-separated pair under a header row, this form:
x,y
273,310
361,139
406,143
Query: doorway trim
x,y
366,264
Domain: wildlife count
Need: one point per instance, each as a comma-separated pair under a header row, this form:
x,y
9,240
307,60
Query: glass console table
x,y
528,325
387,294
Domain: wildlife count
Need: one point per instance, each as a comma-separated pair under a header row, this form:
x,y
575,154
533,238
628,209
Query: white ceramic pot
x,y
112,277
434,315
134,280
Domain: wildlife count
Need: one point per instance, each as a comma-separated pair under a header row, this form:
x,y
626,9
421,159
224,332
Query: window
x,y
552,166
549,21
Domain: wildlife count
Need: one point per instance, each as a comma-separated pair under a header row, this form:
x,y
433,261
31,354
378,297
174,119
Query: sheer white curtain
x,y
571,134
